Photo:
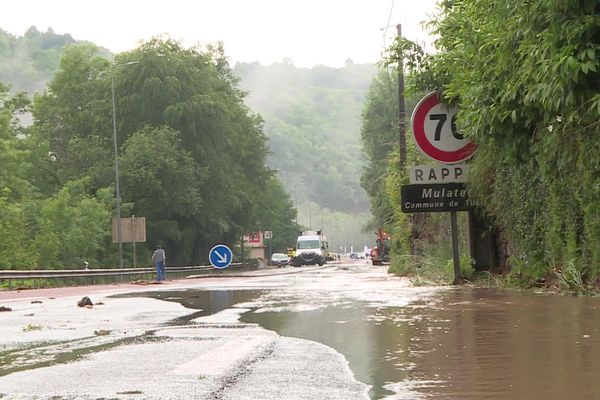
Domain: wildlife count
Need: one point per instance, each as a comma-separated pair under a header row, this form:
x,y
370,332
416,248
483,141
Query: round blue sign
x,y
220,256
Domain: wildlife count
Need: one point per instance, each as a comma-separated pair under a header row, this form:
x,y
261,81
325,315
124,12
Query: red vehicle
x,y
381,252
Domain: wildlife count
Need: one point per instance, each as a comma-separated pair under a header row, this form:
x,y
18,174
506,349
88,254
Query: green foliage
x,y
12,153
16,247
379,138
192,154
525,78
310,113
71,137
571,280
414,237
278,215
163,182
73,228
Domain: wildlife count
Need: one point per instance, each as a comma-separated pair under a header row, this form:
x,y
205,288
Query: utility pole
x,y
117,186
402,141
401,108
296,195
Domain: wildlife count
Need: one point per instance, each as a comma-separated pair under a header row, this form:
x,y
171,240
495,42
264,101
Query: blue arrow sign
x,y
220,256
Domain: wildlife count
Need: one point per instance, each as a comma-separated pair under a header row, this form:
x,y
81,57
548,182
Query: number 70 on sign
x,y
434,130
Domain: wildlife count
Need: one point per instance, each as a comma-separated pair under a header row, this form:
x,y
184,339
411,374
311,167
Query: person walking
x,y
159,259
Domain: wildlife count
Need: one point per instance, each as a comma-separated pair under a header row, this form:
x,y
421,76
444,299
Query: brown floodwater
x,y
462,344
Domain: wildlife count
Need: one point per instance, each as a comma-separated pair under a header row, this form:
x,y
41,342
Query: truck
x,y
311,249
381,252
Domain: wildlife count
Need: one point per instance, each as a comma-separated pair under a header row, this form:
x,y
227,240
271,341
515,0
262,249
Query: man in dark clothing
x,y
159,259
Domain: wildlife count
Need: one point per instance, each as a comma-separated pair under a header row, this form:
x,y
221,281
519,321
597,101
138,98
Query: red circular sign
x,y
434,130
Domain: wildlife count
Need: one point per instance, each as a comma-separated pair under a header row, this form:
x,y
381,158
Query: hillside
x,y
312,120
28,62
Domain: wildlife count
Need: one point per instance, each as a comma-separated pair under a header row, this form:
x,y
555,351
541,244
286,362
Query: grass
x,y
434,265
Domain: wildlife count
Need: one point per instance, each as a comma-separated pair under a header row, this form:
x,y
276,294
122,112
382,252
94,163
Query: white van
x,y
311,249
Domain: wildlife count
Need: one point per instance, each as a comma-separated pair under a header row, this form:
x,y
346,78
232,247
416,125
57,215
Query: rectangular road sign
x,y
254,239
131,228
421,174
439,197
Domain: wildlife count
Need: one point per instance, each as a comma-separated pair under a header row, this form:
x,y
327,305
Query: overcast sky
x,y
310,32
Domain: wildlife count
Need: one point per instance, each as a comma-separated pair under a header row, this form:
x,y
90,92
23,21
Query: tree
x,y
193,155
378,136
277,214
73,228
16,249
525,78
73,122
12,154
164,183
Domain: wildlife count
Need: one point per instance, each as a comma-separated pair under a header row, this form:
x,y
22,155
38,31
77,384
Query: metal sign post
x,y
269,235
133,237
455,255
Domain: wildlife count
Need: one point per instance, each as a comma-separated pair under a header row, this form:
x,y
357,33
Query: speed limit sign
x,y
434,130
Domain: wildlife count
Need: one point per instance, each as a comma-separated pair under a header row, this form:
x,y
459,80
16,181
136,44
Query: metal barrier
x,y
62,277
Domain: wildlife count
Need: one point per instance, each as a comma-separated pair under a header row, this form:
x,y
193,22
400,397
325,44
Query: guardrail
x,y
69,277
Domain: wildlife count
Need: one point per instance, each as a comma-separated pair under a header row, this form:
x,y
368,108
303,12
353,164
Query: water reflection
x,y
467,344
209,302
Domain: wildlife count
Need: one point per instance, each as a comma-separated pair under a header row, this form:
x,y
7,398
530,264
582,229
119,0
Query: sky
x,y
309,32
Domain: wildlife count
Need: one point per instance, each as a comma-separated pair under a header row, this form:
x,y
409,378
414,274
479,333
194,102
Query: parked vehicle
x,y
279,259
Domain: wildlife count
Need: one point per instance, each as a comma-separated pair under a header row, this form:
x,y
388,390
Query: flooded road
x,y
461,344
289,337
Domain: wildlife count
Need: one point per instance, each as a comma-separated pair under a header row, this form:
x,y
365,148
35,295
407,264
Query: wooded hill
x,y
311,118
30,61
192,157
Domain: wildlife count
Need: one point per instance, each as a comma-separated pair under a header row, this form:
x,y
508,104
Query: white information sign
x,y
422,174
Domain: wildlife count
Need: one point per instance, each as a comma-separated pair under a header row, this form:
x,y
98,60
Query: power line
x,y
387,26
385,29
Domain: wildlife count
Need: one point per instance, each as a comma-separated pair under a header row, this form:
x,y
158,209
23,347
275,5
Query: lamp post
x,y
117,185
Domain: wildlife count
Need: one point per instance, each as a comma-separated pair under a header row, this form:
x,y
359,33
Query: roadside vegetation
x,y
192,160
308,121
525,78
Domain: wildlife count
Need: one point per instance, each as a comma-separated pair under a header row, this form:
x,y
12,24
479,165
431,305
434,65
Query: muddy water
x,y
208,302
463,344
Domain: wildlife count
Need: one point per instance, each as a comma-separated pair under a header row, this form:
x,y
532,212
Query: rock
x,y
85,302
2,308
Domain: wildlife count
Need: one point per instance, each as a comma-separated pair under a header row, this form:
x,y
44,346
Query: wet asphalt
x,y
132,348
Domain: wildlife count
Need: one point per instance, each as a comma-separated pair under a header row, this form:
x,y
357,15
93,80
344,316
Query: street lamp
x,y
118,187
